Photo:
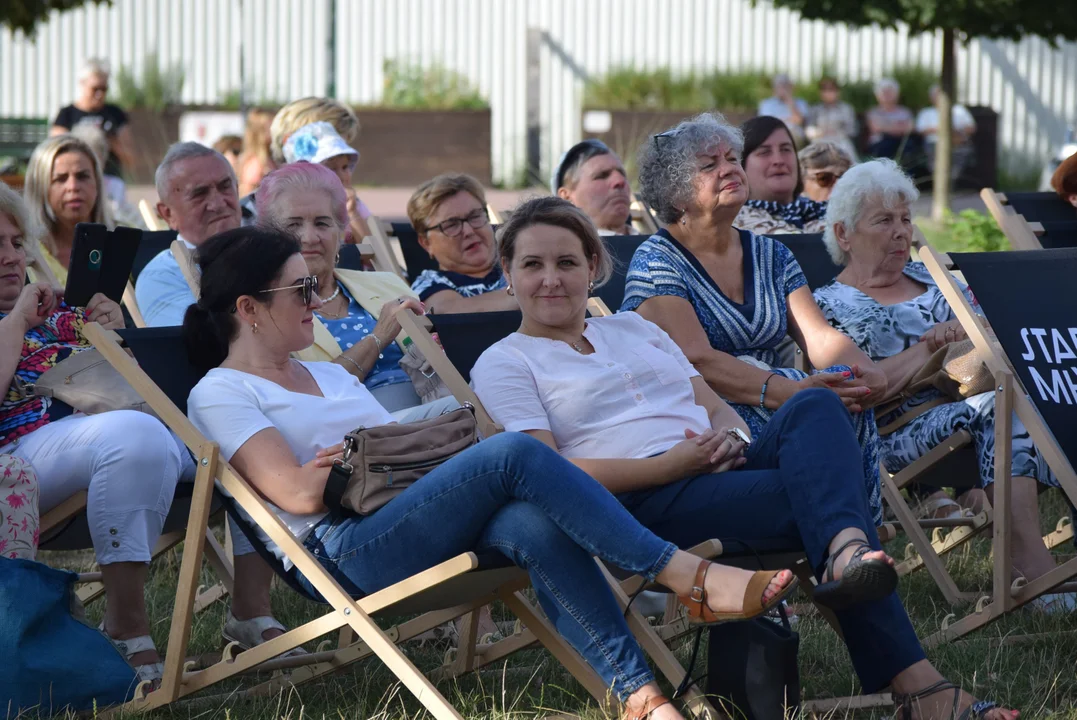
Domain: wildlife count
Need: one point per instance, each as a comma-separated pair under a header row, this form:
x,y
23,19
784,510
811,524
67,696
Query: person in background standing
x,y
791,110
90,107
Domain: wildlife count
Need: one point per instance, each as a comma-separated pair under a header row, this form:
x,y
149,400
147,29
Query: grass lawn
x,y
1035,674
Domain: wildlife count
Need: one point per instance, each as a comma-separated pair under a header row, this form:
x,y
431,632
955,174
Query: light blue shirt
x,y
162,292
774,107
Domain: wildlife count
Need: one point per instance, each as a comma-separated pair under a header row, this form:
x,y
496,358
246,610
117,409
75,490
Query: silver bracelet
x,y
378,343
355,364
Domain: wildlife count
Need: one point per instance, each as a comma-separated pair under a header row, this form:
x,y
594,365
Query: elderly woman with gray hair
x,y
893,310
728,297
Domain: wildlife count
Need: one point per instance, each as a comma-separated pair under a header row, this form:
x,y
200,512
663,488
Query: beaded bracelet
x,y
355,364
763,392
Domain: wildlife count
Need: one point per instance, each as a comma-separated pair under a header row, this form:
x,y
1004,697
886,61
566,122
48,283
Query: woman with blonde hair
x,y
307,112
255,162
64,187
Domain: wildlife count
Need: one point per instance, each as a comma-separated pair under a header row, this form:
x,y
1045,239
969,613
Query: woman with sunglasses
x,y
822,163
449,214
774,203
90,108
279,422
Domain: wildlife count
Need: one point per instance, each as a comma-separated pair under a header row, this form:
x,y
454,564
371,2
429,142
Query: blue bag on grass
x,y
51,660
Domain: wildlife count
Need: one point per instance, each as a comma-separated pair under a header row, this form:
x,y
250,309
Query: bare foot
x,y
940,706
726,586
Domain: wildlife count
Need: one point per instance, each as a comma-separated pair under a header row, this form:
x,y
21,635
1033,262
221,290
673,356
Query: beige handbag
x,y
381,462
955,369
87,383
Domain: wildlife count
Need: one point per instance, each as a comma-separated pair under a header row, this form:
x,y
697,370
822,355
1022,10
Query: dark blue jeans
x,y
803,483
513,494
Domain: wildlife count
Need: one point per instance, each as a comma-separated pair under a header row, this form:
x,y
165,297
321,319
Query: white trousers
x,y
129,464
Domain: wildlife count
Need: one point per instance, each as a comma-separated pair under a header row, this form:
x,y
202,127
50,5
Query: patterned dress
x,y
43,348
750,331
766,217
883,331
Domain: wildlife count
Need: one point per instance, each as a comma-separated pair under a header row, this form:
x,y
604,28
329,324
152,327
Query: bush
x,y
155,90
433,88
967,231
626,88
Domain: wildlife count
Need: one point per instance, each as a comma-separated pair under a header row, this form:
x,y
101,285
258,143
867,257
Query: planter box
x,y
397,147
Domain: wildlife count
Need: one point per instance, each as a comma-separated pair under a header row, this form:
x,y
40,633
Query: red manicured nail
x,y
847,374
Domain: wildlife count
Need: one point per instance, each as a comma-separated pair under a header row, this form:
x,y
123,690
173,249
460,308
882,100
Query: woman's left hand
x,y
943,334
874,379
105,312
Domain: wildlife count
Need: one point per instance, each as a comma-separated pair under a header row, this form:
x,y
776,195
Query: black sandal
x,y
978,709
862,581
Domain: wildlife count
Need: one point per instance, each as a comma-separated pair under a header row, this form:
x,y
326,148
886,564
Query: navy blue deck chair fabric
x,y
465,336
1041,206
811,254
349,258
1059,234
621,248
153,243
1027,297
415,258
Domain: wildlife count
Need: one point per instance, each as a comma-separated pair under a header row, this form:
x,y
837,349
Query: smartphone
x,y
741,435
101,261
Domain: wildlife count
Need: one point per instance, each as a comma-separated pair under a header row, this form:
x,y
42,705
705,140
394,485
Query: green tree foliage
x,y
432,88
156,89
25,15
1012,19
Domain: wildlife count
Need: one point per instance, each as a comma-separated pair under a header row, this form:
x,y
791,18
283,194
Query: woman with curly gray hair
x,y
728,297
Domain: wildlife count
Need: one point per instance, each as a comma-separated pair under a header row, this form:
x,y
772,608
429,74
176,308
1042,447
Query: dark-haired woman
x,y
775,203
510,493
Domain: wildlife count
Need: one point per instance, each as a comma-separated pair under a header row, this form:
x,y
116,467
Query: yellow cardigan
x,y
371,290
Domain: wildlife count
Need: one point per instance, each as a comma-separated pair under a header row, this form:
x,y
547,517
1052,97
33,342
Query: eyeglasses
x,y
103,89
307,289
455,225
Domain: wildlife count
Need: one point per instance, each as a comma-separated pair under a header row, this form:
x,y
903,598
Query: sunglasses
x,y
824,179
307,289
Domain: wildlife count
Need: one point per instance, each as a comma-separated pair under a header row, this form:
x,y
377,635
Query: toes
x,y
778,583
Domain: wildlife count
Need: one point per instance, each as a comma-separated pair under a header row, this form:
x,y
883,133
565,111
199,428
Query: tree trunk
x,y
944,134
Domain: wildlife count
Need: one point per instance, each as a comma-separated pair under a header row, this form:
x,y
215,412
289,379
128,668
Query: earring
x,y
336,260
509,290
591,286
254,328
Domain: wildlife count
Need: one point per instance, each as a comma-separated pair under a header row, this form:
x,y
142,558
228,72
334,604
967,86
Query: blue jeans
x,y
513,494
803,483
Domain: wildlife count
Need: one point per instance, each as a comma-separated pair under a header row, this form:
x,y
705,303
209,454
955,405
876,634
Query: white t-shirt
x,y
961,118
230,406
631,398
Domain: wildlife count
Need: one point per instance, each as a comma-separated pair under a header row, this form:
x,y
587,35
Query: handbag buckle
x,y
349,450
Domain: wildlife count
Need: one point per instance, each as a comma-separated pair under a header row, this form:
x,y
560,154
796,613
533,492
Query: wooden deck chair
x,y
150,217
1014,225
441,593
457,334
1056,233
187,265
153,243
353,257
643,220
493,214
1028,383
387,259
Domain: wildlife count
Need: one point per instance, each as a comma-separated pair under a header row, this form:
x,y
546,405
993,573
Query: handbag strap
x,y
339,476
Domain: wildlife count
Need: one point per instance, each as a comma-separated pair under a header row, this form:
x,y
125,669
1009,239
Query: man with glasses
x,y
199,198
449,215
593,178
90,108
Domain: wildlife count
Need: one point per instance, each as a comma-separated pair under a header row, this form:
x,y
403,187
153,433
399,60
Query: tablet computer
x,y
101,261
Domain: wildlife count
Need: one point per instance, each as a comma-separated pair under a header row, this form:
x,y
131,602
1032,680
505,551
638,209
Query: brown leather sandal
x,y
699,612
653,703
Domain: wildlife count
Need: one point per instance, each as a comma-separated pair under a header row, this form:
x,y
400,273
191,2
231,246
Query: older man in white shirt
x,y
199,198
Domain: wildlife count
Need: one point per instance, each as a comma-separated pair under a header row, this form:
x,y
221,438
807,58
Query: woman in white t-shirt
x,y
617,397
280,423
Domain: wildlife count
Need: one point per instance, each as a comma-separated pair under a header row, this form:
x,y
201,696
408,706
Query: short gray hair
x,y
882,179
668,166
184,151
92,67
886,84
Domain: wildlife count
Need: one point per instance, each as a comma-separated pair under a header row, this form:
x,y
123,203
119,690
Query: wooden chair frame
x,y
1022,234
150,217
642,218
386,258
413,595
1010,397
